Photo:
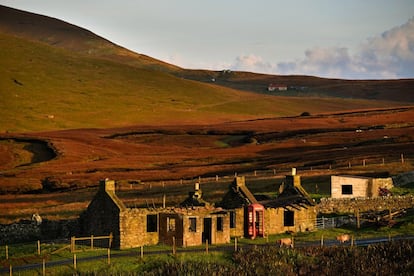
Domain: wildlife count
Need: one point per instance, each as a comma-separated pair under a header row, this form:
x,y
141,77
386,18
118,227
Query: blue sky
x,y
354,39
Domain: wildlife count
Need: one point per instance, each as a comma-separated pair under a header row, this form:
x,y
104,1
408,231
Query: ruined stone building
x,y
349,186
291,211
133,227
195,221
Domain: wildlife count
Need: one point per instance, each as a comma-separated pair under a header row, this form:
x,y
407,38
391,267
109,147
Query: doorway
x,y
207,230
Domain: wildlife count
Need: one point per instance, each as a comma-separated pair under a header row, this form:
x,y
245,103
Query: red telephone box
x,y
255,214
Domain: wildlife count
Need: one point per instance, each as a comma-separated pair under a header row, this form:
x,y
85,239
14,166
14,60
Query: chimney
x,y
293,180
107,185
197,186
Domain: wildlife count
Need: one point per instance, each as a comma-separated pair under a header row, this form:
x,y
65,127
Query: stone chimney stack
x,y
107,185
293,180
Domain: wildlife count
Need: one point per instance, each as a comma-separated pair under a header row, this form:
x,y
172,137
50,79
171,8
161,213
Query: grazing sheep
x,y
343,238
286,242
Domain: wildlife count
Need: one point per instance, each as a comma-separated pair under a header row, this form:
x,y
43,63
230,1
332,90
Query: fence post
x,y
44,267
235,243
363,162
74,261
352,240
109,256
142,251
357,219
322,241
206,246
217,178
91,242
173,239
323,223
72,244
11,270
402,158
111,236
7,252
38,248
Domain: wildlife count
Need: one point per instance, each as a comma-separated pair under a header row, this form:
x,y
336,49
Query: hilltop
x,y
55,75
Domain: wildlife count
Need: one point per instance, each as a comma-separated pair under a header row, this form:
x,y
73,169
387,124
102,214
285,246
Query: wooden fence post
x,y
402,158
358,222
72,244
11,270
109,256
322,241
142,251
74,262
206,246
235,243
38,248
44,267
7,252
91,242
173,239
111,236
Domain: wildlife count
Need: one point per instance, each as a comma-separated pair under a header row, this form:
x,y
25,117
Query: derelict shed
x,y
348,186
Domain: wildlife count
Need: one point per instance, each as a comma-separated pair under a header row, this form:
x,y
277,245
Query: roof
x,y
293,196
238,195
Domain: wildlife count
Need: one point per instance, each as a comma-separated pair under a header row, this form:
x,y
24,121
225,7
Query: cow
x,y
343,238
286,242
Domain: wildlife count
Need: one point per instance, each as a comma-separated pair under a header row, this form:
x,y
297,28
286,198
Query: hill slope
x,y
67,36
64,35
53,82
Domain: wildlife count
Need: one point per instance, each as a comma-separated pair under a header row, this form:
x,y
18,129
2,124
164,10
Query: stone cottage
x,y
292,210
348,186
188,225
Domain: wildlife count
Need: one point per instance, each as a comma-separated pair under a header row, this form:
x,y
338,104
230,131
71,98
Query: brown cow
x,y
286,242
343,238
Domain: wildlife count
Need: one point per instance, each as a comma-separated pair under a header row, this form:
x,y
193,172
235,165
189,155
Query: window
x,y
193,225
289,218
170,224
152,223
232,219
347,189
219,223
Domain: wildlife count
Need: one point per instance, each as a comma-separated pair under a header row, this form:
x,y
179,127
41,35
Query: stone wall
x,y
330,205
304,220
27,231
240,217
133,228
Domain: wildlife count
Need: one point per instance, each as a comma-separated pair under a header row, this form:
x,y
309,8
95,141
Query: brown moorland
x,y
162,153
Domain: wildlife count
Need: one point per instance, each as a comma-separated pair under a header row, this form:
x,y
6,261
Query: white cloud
x,y
251,63
390,55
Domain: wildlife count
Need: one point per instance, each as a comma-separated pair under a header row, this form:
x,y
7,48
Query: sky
x,y
352,39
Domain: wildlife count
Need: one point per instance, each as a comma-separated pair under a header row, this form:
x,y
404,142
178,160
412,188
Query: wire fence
x,y
398,160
